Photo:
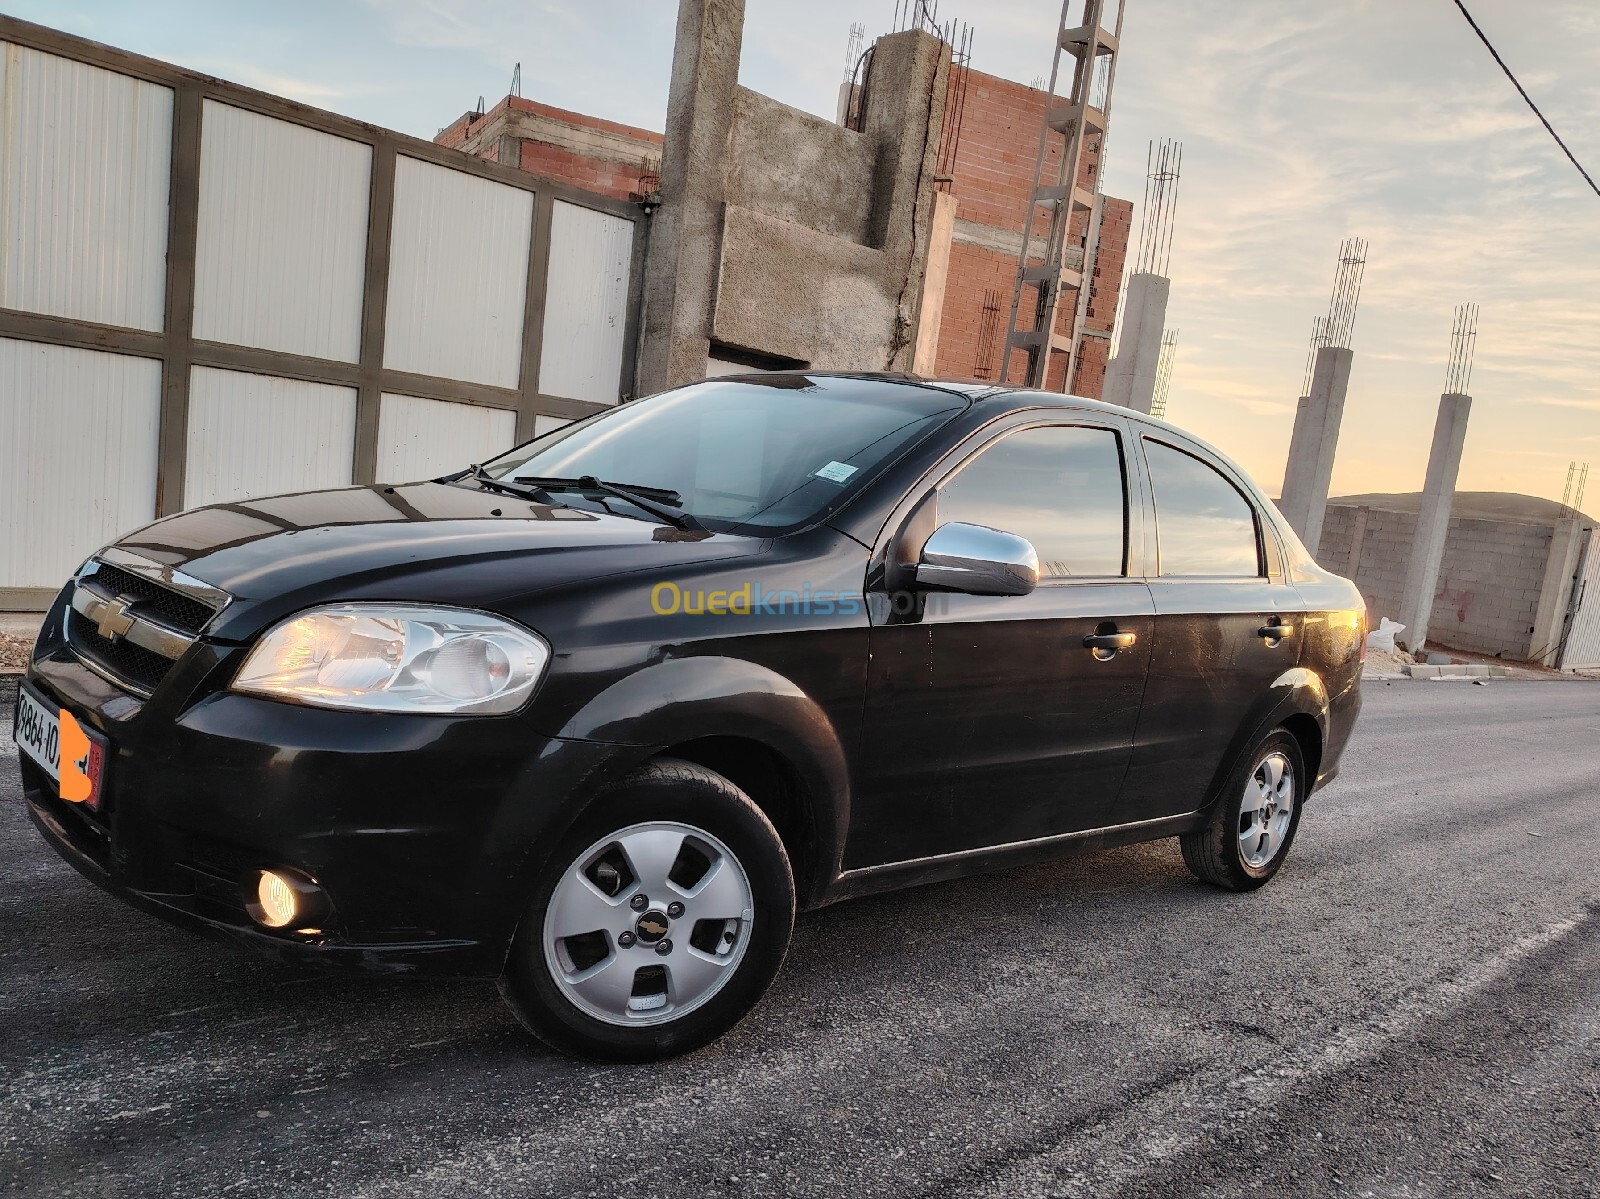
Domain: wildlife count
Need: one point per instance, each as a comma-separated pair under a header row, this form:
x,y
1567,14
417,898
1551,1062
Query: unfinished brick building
x,y
803,211
993,177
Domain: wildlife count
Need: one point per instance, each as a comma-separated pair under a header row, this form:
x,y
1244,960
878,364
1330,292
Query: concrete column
x,y
926,353
1555,591
1433,519
904,117
1131,375
686,232
1304,500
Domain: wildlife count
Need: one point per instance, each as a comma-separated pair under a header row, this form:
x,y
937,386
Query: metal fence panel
x,y
586,304
281,249
253,435
78,419
282,270
458,275
1581,649
85,156
423,439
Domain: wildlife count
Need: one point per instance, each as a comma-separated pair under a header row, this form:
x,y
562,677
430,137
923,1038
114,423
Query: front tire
x,y
657,924
1254,822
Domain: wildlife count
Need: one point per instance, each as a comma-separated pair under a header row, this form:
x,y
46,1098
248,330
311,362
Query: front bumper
x,y
424,832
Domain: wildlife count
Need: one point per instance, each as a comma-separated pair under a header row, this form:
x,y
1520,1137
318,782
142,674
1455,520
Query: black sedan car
x,y
598,717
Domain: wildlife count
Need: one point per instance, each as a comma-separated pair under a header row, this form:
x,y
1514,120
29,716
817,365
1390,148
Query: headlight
x,y
396,658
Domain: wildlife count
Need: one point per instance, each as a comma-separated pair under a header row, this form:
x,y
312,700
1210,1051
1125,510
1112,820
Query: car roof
x,y
975,391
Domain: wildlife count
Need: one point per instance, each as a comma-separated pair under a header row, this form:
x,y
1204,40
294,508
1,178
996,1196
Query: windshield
x,y
762,453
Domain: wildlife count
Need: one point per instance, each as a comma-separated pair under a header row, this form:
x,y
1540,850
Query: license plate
x,y
38,734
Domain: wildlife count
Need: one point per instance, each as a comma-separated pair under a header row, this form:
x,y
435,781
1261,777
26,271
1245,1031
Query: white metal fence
x,y
1580,649
208,292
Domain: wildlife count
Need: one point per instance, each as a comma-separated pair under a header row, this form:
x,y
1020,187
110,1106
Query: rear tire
x,y
1253,823
672,856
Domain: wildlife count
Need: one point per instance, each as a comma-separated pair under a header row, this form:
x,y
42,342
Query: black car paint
x,y
895,745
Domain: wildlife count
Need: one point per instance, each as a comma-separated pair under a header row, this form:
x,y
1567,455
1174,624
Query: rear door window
x,y
1204,525
1059,486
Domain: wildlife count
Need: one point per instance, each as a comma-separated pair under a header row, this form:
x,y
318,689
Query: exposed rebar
x,y
1577,480
1319,338
852,49
1163,169
1463,342
1347,277
1169,351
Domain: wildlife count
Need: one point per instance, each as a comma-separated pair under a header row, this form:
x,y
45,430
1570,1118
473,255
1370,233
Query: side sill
x,y
892,876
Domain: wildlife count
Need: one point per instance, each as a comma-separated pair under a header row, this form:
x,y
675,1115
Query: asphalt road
x,y
1412,1008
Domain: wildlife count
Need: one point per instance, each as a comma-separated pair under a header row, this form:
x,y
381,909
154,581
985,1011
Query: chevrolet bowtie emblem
x,y
114,620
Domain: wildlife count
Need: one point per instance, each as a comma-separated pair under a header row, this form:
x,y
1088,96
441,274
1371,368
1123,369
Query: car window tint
x,y
1060,487
1203,525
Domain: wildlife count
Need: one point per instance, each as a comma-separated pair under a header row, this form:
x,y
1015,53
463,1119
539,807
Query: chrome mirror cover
x,y
978,561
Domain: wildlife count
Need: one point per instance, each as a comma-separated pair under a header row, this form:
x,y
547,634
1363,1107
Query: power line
x,y
1524,91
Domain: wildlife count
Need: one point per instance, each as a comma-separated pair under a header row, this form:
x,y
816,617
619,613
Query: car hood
x,y
417,542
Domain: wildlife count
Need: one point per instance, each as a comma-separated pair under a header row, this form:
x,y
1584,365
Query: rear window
x,y
1204,526
762,453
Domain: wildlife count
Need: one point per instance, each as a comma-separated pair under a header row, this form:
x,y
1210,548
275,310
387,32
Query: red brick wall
x,y
606,176
615,174
993,181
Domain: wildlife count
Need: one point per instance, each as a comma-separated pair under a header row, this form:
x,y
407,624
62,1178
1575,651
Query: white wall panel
x,y
423,439
253,435
77,455
548,424
458,275
282,235
85,159
586,304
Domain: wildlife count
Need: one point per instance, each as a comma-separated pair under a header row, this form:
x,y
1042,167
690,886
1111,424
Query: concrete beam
x,y
1304,498
1433,519
1131,375
686,234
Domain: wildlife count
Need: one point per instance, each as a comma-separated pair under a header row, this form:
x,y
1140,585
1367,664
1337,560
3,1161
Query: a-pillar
x,y
1131,375
686,232
1304,499
1433,519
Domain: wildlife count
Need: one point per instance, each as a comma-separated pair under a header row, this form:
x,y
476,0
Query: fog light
x,y
277,900
284,898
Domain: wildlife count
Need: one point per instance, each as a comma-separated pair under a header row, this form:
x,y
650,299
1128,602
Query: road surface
x,y
1412,1008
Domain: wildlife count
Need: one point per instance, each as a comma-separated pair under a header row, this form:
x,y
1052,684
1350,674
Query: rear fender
x,y
1297,691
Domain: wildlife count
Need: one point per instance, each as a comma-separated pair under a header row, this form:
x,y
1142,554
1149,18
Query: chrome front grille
x,y
132,619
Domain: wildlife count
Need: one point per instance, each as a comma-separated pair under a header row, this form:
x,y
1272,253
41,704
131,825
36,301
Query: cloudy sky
x,y
1303,122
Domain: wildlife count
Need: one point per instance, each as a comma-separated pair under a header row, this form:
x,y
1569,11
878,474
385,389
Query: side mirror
x,y
978,561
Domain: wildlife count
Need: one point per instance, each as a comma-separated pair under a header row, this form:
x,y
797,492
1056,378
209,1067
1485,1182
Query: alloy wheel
x,y
648,923
1266,811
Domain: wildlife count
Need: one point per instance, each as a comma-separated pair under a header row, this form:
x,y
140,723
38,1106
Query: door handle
x,y
1275,632
1106,645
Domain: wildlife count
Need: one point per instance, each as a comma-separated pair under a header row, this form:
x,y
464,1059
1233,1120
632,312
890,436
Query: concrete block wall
x,y
1489,583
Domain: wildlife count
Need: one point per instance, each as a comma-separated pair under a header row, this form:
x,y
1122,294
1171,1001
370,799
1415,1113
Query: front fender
x,y
684,699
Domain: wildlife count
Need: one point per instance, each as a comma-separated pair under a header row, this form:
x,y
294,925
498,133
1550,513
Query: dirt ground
x,y
14,652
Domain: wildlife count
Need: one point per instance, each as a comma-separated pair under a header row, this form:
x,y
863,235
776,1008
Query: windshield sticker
x,y
835,472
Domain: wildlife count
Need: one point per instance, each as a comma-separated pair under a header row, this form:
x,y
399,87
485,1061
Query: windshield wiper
x,y
507,487
653,500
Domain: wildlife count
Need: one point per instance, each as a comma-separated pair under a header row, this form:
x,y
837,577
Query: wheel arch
x,y
748,723
1297,701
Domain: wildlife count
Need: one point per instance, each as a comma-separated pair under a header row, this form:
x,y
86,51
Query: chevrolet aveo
x,y
596,718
